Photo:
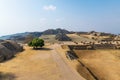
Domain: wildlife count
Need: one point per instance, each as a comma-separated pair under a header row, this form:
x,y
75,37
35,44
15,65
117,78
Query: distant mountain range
x,y
22,36
29,35
56,31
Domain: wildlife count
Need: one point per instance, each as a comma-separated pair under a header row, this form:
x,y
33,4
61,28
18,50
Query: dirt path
x,y
66,71
37,65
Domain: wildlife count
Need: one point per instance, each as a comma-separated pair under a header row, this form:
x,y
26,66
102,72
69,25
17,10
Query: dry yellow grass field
x,y
95,37
78,38
49,38
43,64
32,65
104,64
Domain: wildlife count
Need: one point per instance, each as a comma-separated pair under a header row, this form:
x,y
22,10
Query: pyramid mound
x,y
55,31
62,37
8,49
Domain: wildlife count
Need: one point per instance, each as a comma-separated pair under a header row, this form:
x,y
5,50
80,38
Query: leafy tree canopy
x,y
36,42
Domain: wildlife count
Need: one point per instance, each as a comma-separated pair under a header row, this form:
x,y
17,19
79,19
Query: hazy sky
x,y
78,15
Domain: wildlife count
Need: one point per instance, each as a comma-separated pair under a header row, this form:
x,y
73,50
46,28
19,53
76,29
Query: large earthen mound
x,y
8,49
62,37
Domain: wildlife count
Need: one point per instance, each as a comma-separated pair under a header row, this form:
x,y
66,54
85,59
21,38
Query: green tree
x,y
36,42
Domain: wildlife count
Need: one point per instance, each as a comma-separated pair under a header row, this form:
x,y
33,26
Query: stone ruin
x,y
62,37
71,55
8,49
94,46
117,38
104,46
80,47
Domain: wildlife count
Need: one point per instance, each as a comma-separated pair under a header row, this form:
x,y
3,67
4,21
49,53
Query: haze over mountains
x,y
22,36
34,34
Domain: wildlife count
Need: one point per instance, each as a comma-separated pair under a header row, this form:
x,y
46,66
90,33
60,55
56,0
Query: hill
x,y
8,49
62,37
28,36
22,36
55,31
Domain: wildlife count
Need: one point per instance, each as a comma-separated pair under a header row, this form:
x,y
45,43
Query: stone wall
x,y
104,46
92,47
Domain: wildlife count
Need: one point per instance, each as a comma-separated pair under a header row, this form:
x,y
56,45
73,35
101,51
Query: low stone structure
x,y
80,47
8,49
92,46
71,55
104,46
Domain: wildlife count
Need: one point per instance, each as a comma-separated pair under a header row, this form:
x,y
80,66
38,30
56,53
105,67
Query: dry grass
x,y
77,38
44,64
49,38
98,37
32,65
105,64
